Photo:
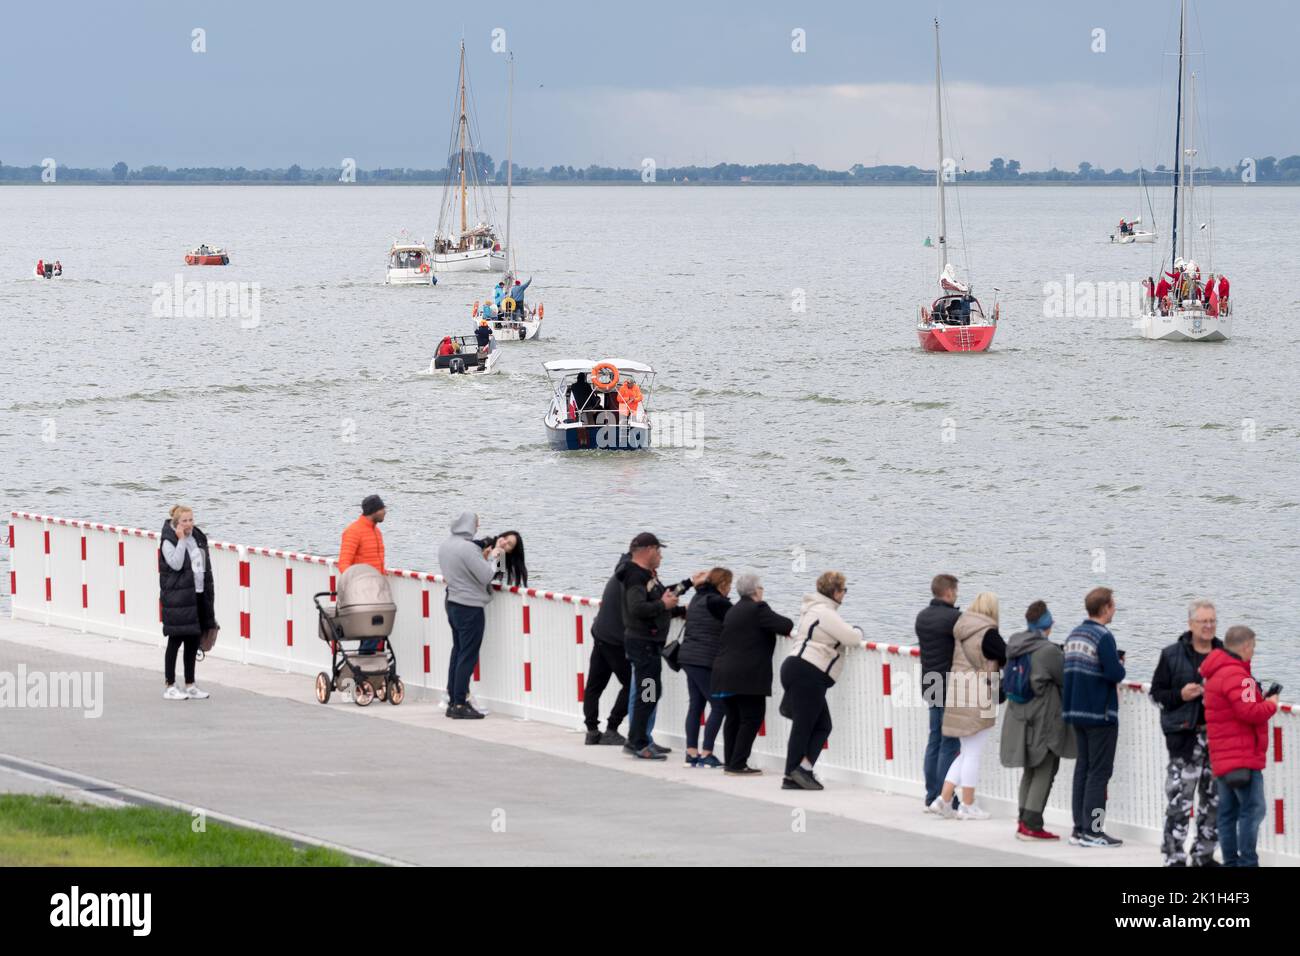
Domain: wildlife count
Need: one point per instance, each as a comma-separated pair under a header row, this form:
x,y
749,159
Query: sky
x,y
89,84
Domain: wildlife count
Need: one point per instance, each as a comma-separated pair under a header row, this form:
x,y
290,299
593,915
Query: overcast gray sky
x,y
92,83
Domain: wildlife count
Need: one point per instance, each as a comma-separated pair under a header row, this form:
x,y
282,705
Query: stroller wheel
x,y
396,691
323,687
382,690
364,693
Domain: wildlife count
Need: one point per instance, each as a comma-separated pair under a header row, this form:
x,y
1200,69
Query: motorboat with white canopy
x,y
598,404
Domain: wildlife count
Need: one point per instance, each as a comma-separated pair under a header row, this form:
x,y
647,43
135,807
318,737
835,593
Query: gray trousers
x,y
1035,788
1184,779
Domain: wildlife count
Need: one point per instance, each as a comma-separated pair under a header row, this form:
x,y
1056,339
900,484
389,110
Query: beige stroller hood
x,y
365,603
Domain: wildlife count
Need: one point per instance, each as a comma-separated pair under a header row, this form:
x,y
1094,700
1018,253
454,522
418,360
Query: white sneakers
x,y
191,692
963,812
943,808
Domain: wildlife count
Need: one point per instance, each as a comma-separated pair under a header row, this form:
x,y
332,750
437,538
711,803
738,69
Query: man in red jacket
x,y
1236,719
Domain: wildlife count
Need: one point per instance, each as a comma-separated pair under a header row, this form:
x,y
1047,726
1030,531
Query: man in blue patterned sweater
x,y
1093,669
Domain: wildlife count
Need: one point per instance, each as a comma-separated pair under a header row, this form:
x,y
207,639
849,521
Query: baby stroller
x,y
363,612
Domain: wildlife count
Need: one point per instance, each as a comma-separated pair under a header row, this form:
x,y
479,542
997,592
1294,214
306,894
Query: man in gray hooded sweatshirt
x,y
468,577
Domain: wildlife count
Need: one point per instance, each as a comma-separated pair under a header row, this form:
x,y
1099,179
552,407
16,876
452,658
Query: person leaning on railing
x,y
821,641
700,644
1237,713
608,658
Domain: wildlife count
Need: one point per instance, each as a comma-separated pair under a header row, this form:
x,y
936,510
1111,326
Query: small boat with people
x,y
205,255
598,405
508,315
466,354
955,321
409,263
48,270
1127,232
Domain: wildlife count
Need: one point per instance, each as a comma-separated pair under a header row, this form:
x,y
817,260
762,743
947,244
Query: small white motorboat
x,y
409,263
467,359
598,405
1128,233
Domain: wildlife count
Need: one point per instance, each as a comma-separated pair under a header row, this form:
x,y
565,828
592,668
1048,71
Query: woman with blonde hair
x,y
821,640
971,701
185,596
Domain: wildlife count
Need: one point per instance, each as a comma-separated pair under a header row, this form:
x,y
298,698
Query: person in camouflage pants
x,y
1178,688
1185,777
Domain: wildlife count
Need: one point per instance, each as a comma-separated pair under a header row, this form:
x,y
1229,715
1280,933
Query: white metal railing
x,y
103,579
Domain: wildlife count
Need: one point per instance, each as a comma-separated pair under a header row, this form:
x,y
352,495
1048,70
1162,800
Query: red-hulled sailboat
x,y
955,321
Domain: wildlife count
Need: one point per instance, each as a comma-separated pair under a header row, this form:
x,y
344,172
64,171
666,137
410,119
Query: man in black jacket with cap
x,y
1179,690
648,609
607,659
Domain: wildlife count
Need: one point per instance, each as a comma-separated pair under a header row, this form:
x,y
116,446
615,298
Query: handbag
x,y
1237,779
670,652
208,639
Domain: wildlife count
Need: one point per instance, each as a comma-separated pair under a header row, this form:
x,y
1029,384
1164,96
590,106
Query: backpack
x,y
1015,679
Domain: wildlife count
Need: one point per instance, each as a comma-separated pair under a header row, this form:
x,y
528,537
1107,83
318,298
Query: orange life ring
x,y
600,384
424,267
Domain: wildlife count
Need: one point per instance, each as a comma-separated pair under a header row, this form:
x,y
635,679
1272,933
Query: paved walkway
x,y
406,783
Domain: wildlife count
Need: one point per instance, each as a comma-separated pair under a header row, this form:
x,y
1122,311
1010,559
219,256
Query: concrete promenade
x,y
406,784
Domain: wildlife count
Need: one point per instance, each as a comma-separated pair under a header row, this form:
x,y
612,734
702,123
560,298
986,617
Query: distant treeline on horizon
x,y
1267,169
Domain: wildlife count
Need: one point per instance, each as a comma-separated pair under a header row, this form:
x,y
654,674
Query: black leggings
x,y
744,718
191,652
805,704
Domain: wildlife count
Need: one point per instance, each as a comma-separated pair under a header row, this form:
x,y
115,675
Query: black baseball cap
x,y
371,504
645,540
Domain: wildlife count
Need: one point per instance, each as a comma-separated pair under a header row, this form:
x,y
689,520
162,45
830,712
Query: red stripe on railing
x,y
1277,744
476,671
333,588
424,603
762,729
582,690
577,628
527,621
884,677
426,658
1279,817
288,632
47,541
245,573
245,625
83,547
121,554
288,580
85,597
889,743
528,676
121,602
48,591
13,583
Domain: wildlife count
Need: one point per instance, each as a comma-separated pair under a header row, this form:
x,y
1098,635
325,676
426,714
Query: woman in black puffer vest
x,y
699,647
186,596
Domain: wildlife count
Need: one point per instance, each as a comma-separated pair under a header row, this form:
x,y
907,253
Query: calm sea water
x,y
1079,454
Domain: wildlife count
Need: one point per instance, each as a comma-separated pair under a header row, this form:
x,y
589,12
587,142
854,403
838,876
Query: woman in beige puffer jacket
x,y
971,701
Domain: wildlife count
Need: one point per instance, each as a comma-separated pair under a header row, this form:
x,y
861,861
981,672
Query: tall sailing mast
x,y
942,244
464,124
1174,251
510,142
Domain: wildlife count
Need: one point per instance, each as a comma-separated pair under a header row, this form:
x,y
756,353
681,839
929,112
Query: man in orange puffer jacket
x,y
363,543
1236,719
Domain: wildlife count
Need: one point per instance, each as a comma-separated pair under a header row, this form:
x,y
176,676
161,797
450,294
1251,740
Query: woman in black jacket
x,y
742,671
704,617
186,597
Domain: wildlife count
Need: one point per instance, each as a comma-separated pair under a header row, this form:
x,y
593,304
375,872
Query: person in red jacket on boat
x,y
1162,294
446,346
1237,712
1224,286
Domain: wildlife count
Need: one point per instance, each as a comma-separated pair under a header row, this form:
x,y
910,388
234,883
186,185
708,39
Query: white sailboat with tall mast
x,y
465,242
955,321
1190,311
